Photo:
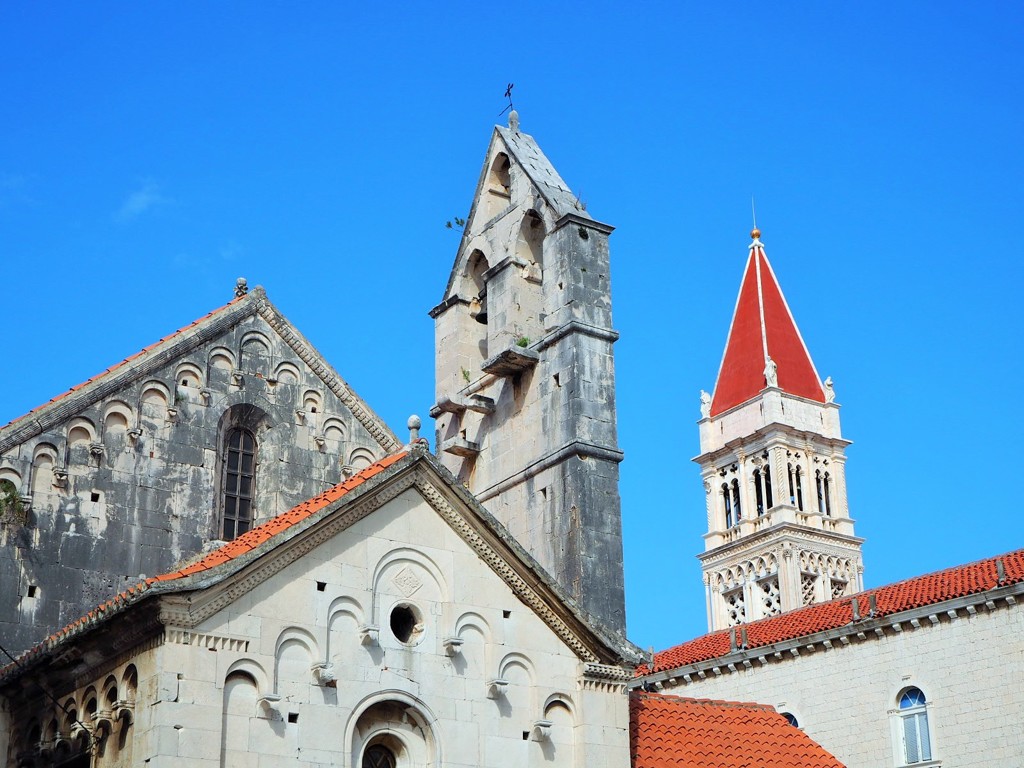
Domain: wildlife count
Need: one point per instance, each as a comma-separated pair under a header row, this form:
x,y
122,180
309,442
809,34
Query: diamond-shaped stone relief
x,y
407,581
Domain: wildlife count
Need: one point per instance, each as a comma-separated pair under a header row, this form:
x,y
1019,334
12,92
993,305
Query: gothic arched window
x,y
913,715
736,500
239,483
727,502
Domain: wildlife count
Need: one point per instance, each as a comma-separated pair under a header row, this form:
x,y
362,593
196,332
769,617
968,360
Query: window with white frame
x,y
914,735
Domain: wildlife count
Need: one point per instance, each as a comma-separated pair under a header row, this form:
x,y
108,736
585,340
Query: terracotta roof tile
x,y
223,554
124,362
930,589
675,731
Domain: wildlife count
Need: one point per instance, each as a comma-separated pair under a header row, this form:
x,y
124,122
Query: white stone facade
x,y
845,694
392,631
780,535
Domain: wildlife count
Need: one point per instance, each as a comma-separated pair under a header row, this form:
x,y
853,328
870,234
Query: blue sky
x,y
151,153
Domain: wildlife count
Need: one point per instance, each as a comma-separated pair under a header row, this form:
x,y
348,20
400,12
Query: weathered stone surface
x,y
535,268
142,448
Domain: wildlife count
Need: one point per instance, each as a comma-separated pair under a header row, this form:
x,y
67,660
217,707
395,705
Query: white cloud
x,y
140,201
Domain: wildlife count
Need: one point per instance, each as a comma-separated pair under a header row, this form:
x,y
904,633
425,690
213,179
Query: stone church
x,y
216,554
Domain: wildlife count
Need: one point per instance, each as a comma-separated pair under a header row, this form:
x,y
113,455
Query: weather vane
x,y
508,95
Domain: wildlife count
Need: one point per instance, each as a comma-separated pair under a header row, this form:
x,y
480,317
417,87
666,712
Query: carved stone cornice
x,y
306,352
820,541
179,345
472,536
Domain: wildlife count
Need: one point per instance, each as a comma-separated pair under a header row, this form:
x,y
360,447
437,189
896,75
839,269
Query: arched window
x,y
916,740
821,484
828,494
758,493
768,501
796,491
736,500
791,719
378,756
727,502
239,483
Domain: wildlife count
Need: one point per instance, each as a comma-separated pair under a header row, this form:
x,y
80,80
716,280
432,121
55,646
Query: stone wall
x,y
314,665
130,483
846,697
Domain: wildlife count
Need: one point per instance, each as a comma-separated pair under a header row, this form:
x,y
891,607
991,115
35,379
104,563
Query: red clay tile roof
x,y
247,542
675,731
115,366
891,599
762,325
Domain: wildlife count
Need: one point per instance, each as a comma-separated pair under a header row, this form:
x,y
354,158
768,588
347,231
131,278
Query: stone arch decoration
x,y
287,373
254,353
557,729
221,358
117,418
398,721
81,430
360,458
312,401
344,618
253,669
294,653
405,575
154,400
334,429
188,375
44,463
238,710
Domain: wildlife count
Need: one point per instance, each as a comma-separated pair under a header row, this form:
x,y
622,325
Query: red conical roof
x,y
762,327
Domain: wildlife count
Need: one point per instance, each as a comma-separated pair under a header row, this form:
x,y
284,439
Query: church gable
x,y
227,422
389,613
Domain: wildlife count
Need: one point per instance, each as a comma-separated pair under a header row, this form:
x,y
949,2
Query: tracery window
x,y
808,588
735,610
914,733
239,483
771,598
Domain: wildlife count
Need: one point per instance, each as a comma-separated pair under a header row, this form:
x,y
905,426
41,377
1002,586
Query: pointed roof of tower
x,y
522,150
762,328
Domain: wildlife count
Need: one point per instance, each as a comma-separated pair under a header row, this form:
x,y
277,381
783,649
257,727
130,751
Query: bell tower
x,y
772,459
525,377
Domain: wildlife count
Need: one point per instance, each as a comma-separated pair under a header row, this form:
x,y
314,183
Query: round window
x,y
406,623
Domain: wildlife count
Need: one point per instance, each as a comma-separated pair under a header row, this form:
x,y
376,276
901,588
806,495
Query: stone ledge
x,y
511,361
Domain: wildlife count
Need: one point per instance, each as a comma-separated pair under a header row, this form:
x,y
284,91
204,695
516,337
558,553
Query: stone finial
x,y
241,287
513,121
414,423
705,404
830,392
